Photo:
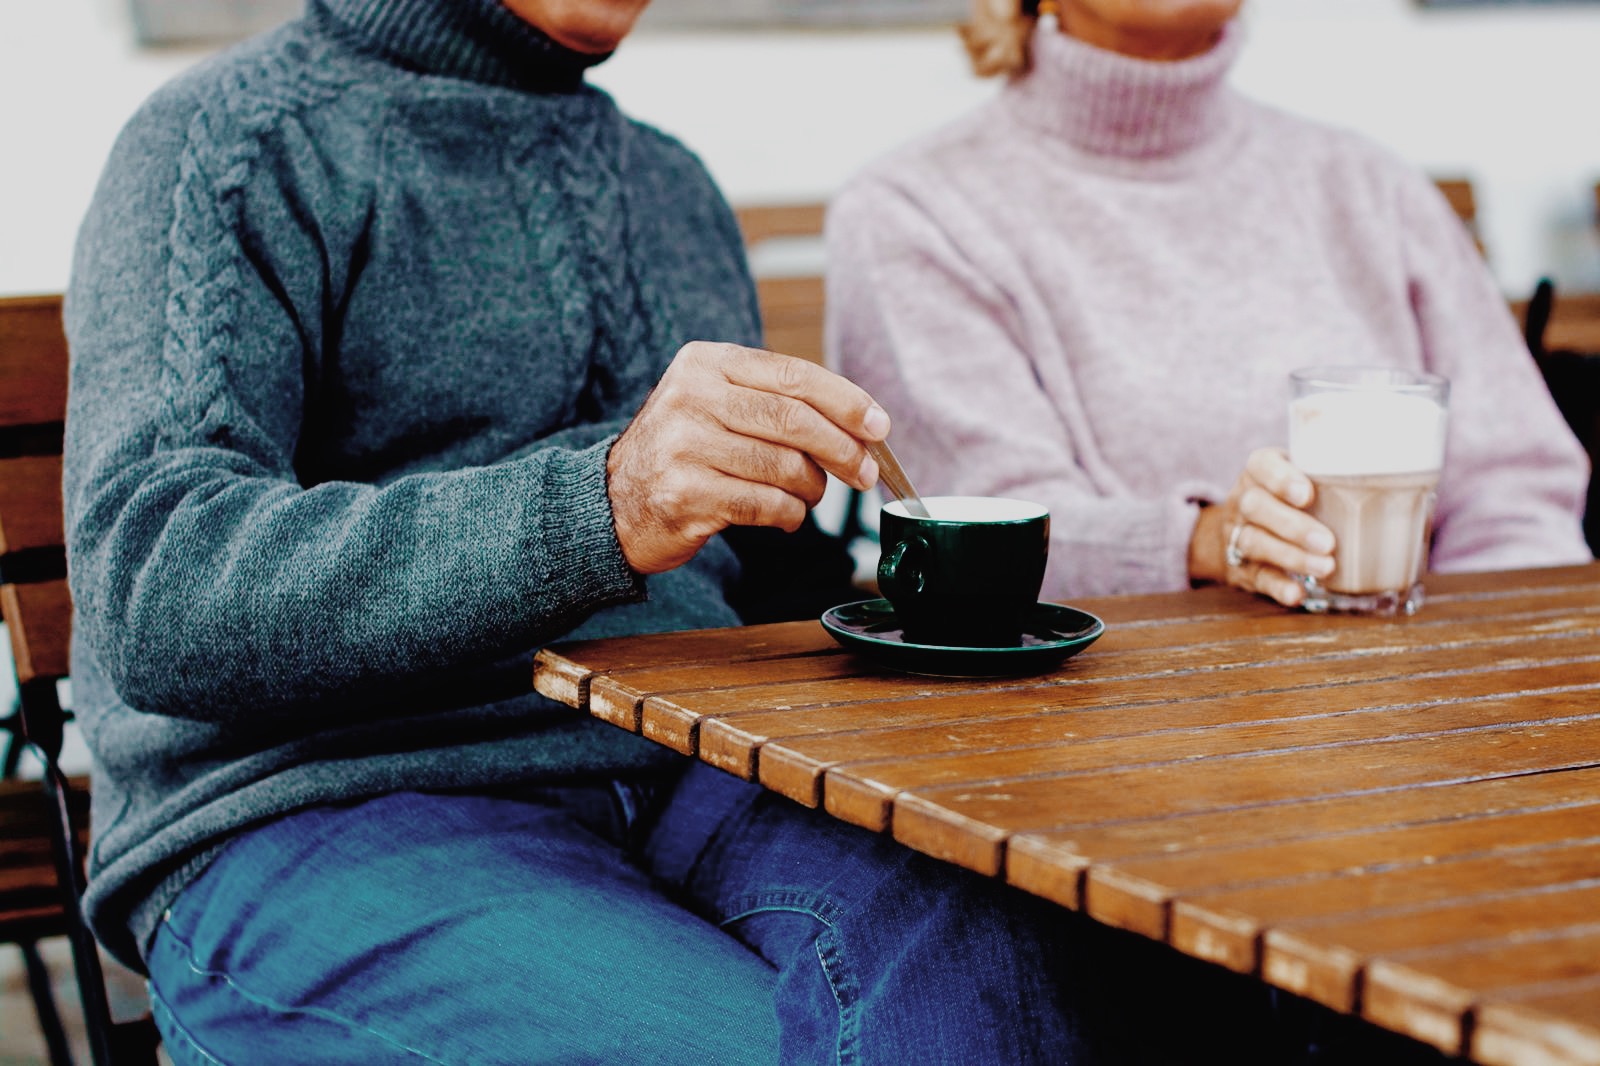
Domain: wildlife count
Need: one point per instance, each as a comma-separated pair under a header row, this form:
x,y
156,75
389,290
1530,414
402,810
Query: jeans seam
x,y
846,993
830,957
824,911
199,970
190,1041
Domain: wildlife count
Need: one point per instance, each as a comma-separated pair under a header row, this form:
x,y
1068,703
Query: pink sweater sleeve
x,y
935,337
1515,476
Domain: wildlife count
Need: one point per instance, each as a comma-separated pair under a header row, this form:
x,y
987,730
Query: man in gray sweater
x,y
393,361
399,352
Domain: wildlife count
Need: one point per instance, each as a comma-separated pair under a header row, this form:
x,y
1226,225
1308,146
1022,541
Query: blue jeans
x,y
704,921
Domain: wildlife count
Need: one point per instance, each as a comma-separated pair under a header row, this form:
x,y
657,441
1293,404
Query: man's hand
x,y
734,436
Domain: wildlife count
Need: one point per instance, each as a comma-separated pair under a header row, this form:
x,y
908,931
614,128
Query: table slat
x,y
562,671
864,794
791,750
1051,864
619,697
1323,959
1556,1027
1427,999
1233,939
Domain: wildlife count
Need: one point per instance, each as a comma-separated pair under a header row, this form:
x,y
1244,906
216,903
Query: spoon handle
x,y
893,477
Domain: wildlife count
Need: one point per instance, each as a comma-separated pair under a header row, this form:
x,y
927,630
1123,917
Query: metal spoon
x,y
893,478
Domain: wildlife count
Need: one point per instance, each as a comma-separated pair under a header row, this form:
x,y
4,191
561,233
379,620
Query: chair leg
x,y
44,1002
134,1043
85,952
11,760
11,737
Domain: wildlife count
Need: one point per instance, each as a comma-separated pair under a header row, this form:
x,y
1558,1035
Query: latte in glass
x,y
1372,442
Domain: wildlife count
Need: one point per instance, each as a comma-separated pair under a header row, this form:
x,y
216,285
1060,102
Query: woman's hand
x,y
1260,535
734,436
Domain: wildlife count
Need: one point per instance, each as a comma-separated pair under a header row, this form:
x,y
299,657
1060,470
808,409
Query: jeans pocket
x,y
819,987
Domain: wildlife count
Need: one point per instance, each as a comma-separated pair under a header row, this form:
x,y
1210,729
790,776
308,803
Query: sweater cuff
x,y
1181,518
584,548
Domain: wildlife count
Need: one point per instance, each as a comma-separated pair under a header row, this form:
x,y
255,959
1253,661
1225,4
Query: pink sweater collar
x,y
1108,104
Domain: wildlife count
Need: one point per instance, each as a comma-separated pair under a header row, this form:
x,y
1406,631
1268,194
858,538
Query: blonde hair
x,y
997,38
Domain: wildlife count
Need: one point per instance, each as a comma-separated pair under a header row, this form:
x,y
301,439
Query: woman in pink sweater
x,y
1090,293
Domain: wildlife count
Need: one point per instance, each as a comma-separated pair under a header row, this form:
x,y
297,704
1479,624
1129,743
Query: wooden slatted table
x,y
1397,818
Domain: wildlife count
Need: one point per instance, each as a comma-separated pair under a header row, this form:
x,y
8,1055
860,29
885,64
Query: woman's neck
x,y
1113,105
1166,44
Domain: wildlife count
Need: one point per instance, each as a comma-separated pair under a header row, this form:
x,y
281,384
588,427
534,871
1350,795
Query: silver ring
x,y
1233,555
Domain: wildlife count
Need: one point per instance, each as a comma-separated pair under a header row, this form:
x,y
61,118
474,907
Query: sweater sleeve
x,y
1515,477
940,343
208,581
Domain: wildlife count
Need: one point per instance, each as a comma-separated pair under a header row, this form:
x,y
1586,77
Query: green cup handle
x,y
904,570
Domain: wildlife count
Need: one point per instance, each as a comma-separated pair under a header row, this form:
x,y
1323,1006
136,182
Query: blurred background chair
x,y
46,821
784,244
1566,347
1464,200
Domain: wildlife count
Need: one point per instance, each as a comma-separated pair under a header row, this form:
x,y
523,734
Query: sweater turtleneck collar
x,y
1109,104
477,40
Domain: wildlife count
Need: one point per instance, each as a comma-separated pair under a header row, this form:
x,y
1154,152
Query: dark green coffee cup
x,y
968,575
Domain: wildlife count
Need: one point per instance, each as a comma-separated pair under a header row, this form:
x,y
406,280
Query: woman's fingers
x,y
1268,581
1271,470
1268,537
1283,536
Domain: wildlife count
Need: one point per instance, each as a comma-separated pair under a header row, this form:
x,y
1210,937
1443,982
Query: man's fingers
x,y
787,469
838,399
754,504
734,436
659,531
791,423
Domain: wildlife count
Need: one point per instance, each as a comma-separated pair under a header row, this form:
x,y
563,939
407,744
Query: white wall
x,y
1507,97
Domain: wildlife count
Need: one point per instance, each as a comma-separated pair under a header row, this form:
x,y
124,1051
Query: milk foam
x,y
973,509
1352,433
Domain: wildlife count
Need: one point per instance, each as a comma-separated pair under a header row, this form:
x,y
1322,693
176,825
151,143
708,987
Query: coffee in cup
x,y
1371,439
968,574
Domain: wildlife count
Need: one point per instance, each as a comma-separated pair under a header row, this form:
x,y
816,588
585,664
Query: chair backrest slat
x,y
39,621
791,303
760,222
33,361
30,503
34,600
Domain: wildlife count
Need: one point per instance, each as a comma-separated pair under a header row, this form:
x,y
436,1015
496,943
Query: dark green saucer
x,y
1051,634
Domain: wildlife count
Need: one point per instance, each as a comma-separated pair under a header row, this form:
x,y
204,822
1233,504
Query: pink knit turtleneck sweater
x,y
1090,293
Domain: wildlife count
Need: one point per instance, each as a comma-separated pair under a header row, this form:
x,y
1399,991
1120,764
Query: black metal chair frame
x,y
1573,379
40,722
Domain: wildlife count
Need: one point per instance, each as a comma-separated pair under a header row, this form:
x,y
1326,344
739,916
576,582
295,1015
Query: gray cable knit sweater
x,y
355,315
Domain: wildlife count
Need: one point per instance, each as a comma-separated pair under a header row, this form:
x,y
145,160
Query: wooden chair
x,y
792,311
1571,370
1464,201
31,907
37,610
791,304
